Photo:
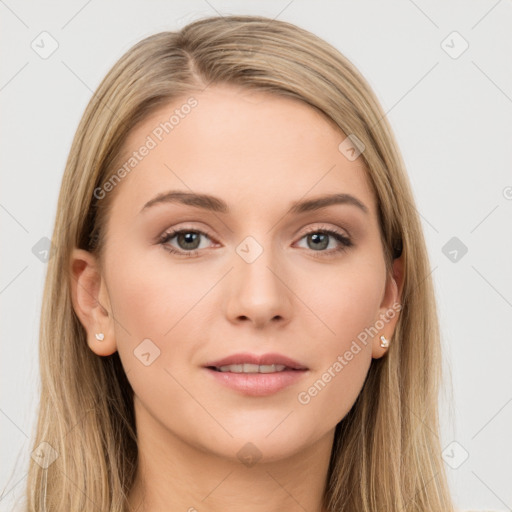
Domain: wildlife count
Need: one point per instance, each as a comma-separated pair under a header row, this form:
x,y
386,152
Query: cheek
x,y
349,307
349,301
169,304
149,297
156,328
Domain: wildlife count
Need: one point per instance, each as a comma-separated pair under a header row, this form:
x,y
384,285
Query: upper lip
x,y
262,359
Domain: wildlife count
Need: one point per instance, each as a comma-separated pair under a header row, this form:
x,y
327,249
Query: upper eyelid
x,y
175,231
339,231
319,227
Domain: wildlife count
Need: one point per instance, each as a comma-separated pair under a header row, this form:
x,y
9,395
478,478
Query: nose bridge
x,y
257,290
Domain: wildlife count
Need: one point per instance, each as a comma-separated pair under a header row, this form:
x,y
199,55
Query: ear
x,y
91,302
390,308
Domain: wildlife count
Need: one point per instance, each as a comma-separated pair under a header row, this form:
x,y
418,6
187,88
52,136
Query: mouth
x,y
256,375
254,363
252,368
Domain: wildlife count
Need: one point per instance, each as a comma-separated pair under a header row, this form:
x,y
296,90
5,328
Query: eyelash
x,y
343,240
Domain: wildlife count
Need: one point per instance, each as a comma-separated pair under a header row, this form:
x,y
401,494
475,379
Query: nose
x,y
258,293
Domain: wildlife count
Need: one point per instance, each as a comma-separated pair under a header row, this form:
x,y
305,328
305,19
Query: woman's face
x,y
258,273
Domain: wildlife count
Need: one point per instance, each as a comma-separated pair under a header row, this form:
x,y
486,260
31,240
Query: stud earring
x,y
384,342
100,336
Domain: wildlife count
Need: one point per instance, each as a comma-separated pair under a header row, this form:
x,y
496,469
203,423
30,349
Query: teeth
x,y
271,368
252,368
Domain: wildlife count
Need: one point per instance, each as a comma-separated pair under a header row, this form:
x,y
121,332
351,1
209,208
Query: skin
x,y
259,153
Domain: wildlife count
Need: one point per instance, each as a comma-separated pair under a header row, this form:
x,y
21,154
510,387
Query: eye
x,y
318,239
188,240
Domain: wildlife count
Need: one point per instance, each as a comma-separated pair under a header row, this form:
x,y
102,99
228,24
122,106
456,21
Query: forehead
x,y
254,149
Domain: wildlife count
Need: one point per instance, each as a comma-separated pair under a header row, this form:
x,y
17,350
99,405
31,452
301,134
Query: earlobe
x,y
389,310
91,303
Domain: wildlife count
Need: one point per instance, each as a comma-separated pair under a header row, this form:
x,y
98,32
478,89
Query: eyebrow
x,y
215,204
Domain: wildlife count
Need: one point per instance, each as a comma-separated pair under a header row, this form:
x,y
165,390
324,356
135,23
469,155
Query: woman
x,y
238,313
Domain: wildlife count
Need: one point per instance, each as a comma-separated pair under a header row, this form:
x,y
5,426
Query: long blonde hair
x,y
386,454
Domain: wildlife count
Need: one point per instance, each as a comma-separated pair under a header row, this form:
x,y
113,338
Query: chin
x,y
264,441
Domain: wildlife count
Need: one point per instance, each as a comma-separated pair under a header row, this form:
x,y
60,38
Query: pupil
x,y
188,238
318,238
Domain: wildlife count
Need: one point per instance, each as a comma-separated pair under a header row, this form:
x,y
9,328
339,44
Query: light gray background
x,y
452,118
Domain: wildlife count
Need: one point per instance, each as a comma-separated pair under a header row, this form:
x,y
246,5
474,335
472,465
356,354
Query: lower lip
x,y
258,384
